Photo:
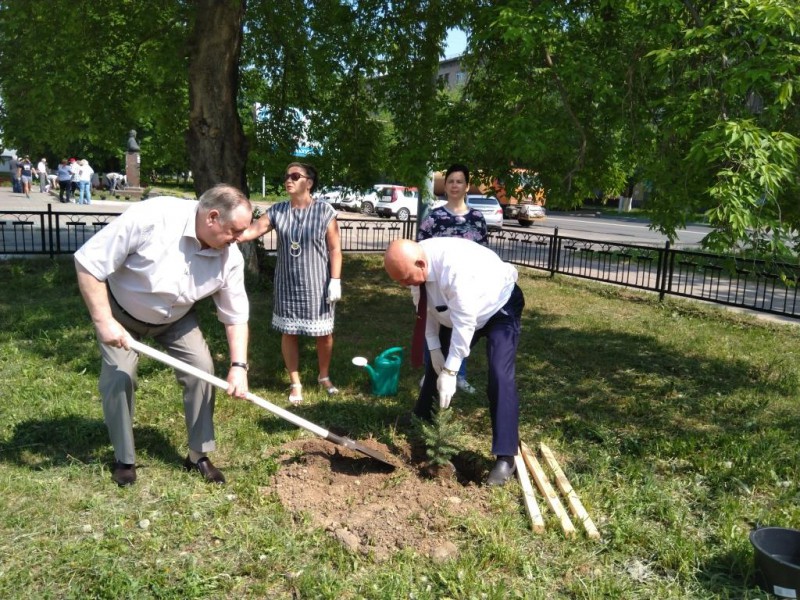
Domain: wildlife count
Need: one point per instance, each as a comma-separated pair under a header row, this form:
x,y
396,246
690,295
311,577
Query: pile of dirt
x,y
371,508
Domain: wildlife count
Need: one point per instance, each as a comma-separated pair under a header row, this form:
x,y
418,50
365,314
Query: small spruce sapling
x,y
441,436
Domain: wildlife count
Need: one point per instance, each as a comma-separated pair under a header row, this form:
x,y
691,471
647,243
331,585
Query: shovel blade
x,y
356,447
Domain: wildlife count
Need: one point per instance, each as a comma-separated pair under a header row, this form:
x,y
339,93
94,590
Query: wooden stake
x,y
537,523
575,504
547,490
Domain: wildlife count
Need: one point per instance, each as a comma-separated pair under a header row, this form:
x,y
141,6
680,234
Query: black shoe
x,y
123,474
502,471
209,472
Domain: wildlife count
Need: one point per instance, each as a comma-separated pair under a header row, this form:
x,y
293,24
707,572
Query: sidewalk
x,y
9,201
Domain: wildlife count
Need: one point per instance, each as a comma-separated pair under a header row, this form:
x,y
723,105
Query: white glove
x,y
334,291
437,360
446,385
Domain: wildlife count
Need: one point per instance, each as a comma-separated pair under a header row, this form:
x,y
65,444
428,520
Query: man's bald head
x,y
405,262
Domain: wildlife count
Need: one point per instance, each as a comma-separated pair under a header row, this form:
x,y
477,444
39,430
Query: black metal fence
x,y
753,284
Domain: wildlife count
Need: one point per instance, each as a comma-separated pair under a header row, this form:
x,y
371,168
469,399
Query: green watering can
x,y
385,373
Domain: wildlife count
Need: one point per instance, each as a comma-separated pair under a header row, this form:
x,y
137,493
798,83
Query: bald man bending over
x,y
471,293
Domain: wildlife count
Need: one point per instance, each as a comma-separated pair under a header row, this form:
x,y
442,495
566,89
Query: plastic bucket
x,y
777,555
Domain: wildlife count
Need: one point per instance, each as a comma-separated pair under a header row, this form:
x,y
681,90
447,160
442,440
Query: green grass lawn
x,y
675,422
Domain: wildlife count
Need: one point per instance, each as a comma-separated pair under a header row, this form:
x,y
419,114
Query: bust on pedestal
x,y
132,161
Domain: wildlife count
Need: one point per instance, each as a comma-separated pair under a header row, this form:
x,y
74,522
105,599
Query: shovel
x,y
276,410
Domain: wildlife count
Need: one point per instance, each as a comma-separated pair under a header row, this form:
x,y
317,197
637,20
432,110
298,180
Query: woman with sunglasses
x,y
307,274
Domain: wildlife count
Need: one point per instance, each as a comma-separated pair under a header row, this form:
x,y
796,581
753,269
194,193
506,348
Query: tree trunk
x,y
215,140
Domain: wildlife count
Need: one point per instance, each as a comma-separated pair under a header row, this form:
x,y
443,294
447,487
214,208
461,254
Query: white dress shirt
x,y
467,284
157,269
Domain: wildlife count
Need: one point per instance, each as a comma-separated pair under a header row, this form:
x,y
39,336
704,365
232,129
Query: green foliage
x,y
725,114
441,436
755,189
82,74
599,96
695,102
357,81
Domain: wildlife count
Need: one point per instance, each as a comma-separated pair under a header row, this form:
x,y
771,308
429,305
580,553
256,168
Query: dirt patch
x,y
371,508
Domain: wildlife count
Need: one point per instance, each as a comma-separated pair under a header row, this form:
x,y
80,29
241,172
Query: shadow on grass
x,y
58,442
596,385
728,574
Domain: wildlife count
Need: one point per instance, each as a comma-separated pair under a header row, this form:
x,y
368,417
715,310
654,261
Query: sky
x,y
455,43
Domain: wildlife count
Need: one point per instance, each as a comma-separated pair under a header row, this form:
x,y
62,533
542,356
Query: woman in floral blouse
x,y
455,219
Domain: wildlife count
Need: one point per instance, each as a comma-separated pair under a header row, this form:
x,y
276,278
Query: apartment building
x,y
452,73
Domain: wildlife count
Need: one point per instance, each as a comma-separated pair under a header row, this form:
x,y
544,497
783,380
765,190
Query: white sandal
x,y
332,390
295,393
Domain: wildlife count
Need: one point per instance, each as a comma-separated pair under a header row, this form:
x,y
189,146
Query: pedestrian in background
x,y
85,173
73,167
41,168
115,181
26,173
16,185
64,175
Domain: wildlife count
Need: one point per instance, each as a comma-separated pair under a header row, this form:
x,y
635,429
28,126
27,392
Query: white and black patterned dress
x,y
300,305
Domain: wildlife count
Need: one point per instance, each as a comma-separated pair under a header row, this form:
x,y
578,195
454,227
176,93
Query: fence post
x,y
663,268
552,259
408,229
49,230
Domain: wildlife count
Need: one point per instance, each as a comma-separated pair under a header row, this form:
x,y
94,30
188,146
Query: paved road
x,y
592,225
10,201
595,226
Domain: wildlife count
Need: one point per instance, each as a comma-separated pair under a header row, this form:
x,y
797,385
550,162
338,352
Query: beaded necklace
x,y
295,249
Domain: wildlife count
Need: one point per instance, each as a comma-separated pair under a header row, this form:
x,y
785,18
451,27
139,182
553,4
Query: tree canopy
x,y
694,102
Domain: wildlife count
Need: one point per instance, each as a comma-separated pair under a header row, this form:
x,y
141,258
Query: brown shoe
x,y
123,474
209,472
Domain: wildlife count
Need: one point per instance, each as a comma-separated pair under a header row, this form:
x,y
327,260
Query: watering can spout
x,y
372,374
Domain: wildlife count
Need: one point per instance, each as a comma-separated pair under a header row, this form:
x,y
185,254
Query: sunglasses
x,y
294,176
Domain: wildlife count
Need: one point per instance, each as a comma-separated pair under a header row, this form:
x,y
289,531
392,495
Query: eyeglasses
x,y
294,176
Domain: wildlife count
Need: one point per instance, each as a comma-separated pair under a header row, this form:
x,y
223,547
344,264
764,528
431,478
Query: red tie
x,y
418,340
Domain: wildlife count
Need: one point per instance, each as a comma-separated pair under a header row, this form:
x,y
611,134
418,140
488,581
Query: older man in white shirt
x,y
41,169
115,181
141,276
470,293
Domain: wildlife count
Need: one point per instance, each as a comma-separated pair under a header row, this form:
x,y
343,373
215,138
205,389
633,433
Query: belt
x,y
129,315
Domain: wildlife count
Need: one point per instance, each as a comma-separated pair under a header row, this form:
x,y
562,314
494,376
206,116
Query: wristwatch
x,y
449,371
241,365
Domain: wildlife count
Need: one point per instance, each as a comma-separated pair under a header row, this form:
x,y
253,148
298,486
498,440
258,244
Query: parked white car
x,y
370,199
491,209
330,195
398,201
368,202
350,201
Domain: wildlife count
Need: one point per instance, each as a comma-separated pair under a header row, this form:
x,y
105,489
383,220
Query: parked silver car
x,y
491,209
